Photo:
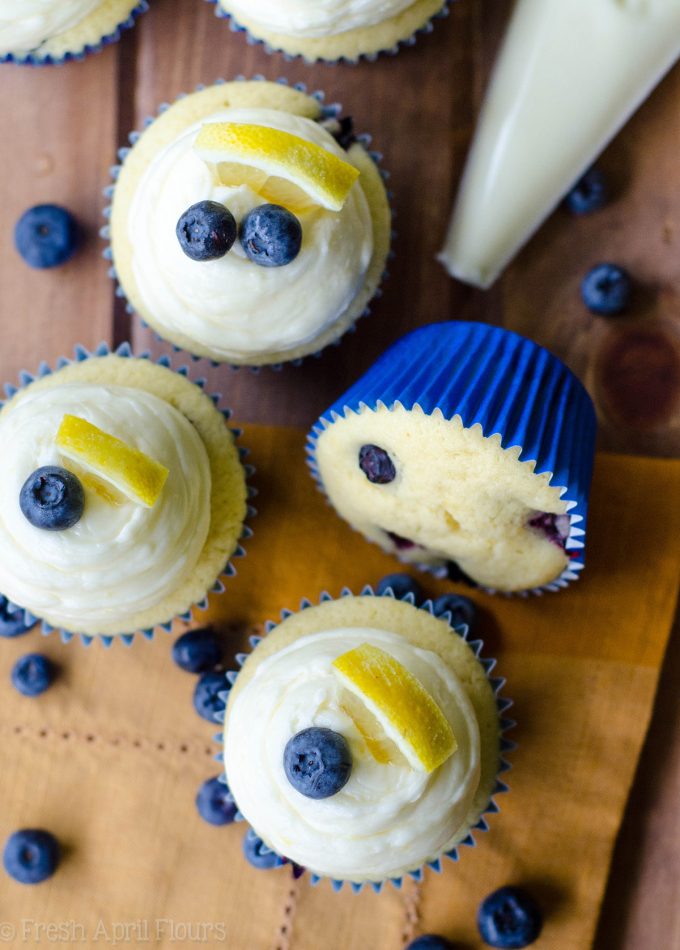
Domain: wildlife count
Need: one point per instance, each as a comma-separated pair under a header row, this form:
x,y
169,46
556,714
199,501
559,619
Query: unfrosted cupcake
x,y
122,495
466,449
332,29
362,738
52,31
243,231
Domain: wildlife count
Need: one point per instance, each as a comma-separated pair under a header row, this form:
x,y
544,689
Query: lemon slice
x,y
131,472
282,167
406,711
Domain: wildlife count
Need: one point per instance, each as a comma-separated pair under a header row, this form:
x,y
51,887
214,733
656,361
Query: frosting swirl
x,y
118,559
25,24
318,18
388,818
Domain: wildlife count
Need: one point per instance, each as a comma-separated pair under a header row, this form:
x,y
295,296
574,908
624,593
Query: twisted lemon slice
x,y
131,472
282,167
405,710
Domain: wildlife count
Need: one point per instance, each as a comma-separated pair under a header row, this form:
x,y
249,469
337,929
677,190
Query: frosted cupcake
x,y
466,449
51,31
362,739
122,496
243,231
332,29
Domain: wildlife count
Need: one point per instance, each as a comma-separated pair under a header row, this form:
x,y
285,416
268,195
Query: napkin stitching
x,y
284,939
65,734
411,898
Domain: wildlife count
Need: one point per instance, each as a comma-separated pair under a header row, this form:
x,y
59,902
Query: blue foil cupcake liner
x,y
503,382
125,350
329,111
30,59
506,745
411,40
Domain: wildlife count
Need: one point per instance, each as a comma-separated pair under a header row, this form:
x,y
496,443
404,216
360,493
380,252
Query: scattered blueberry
x,y
430,942
12,623
376,465
509,918
317,762
197,651
52,498
206,699
215,803
401,584
455,572
606,290
257,852
462,609
271,236
31,855
554,527
589,194
32,674
46,236
206,231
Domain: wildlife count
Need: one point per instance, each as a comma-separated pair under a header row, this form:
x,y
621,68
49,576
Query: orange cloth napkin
x,y
111,757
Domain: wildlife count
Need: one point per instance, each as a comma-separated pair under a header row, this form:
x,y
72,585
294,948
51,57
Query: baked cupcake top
x,y
25,24
316,19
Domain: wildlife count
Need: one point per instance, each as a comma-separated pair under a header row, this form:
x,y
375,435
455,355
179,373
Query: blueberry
x,y
590,193
402,544
271,236
462,609
31,855
401,584
509,918
206,699
52,498
206,231
46,236
215,802
257,852
606,290
12,623
33,674
554,527
455,572
376,465
430,942
317,762
197,651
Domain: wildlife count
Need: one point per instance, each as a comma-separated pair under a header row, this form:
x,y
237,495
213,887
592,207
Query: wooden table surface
x,y
61,128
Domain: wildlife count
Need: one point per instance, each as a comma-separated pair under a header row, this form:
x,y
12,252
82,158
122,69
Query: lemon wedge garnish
x,y
405,710
131,472
282,167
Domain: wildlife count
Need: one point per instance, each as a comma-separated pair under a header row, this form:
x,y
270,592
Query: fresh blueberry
x,y
607,289
206,698
509,918
206,231
31,855
257,852
52,498
462,609
401,584
12,622
215,803
589,194
46,236
197,651
455,572
317,762
430,942
376,465
271,236
33,674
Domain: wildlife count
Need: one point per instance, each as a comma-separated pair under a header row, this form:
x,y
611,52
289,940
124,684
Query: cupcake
x,y
122,495
338,29
362,738
53,31
468,450
241,228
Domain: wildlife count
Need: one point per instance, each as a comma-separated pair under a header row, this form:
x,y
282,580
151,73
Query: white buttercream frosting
x,y
388,818
315,18
232,306
119,559
25,24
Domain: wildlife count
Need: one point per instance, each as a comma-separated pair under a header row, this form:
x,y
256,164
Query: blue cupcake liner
x,y
504,383
30,59
411,40
330,111
125,350
506,745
